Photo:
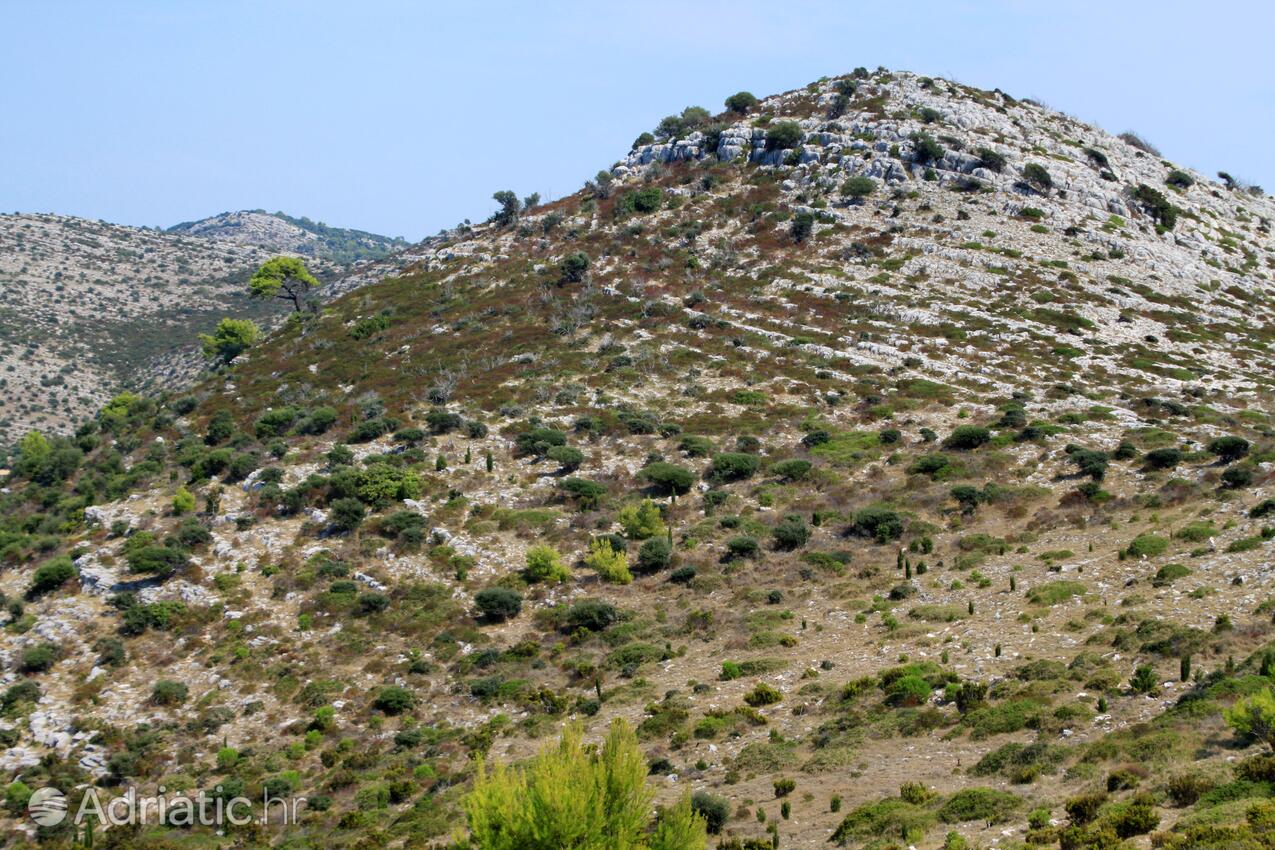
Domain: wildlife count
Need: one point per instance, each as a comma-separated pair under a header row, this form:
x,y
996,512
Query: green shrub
x,y
761,695
1036,176
1149,545
608,561
1166,458
183,501
1055,592
594,615
1179,179
1156,205
156,560
1237,477
545,565
39,658
741,102
646,200
790,470
1229,449
642,520
574,268
586,493
965,437
783,134
1136,816
669,477
859,187
498,604
714,810
908,691
50,576
925,150
168,693
346,514
1082,809
983,804
878,522
393,699
991,160
655,554
1168,574
934,464
733,466
791,532
538,441
696,446
567,457
803,227
373,602
741,547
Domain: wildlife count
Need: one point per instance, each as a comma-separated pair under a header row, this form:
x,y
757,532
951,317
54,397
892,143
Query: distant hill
x,y
285,234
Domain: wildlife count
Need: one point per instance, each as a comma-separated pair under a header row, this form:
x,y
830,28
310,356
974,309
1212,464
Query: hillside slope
x,y
945,494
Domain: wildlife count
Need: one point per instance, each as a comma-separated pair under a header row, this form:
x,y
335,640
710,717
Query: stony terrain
x,y
946,496
284,234
90,308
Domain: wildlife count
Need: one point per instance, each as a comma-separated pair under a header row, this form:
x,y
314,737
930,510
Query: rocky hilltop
x,y
895,457
284,234
91,307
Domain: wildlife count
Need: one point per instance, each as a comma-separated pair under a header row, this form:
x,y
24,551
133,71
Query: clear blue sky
x,y
403,117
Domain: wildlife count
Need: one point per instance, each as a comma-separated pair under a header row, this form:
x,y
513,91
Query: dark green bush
x,y
803,226
983,804
1156,205
879,522
741,102
538,441
1036,176
586,493
791,532
50,576
346,514
715,810
655,555
783,134
156,560
498,604
38,658
790,470
1163,458
741,547
733,466
594,615
669,477
574,267
925,150
393,699
991,160
965,437
858,187
169,692
1229,449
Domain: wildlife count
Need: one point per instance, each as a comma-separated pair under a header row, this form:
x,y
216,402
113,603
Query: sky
x,y
403,117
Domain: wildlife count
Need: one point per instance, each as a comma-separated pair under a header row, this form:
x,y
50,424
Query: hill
x,y
894,456
283,234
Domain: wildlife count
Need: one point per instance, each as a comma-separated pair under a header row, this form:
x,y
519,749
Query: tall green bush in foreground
x,y
576,796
